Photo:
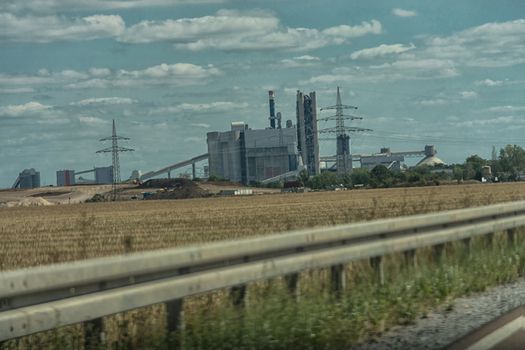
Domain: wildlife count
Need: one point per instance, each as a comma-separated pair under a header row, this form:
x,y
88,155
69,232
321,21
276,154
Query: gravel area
x,y
452,321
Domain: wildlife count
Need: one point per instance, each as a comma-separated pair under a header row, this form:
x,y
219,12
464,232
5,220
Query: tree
x,y
381,176
457,173
324,180
512,159
473,165
360,176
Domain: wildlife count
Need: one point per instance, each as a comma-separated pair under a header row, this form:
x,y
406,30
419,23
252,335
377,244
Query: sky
x,y
449,73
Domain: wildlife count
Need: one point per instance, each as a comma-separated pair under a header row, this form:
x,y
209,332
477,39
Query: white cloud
x,y
234,30
497,44
509,119
51,6
489,82
201,125
307,58
467,95
24,109
99,72
185,30
54,28
226,30
179,74
298,62
92,120
346,31
488,45
506,109
381,50
16,90
434,102
213,107
178,70
403,13
104,101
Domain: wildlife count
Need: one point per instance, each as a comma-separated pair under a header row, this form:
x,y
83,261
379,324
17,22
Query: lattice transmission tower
x,y
115,149
343,154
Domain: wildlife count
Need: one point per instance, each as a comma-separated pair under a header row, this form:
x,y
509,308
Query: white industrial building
x,y
245,155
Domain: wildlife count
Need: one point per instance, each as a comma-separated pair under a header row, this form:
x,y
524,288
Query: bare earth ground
x,y
50,195
60,233
79,194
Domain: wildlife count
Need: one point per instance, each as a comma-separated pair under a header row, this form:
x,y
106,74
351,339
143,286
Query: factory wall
x,y
104,175
245,155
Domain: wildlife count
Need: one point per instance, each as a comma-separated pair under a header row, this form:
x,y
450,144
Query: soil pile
x,y
27,202
174,189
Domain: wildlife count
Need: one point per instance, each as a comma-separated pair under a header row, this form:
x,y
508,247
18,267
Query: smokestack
x,y
279,118
272,108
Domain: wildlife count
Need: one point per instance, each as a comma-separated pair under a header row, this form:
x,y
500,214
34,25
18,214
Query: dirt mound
x,y
27,202
174,189
50,193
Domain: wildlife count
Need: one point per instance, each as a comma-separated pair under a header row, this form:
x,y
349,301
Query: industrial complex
x,y
249,156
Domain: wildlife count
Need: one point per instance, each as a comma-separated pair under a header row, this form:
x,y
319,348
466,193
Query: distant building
x,y
245,155
308,144
104,175
65,177
391,161
29,178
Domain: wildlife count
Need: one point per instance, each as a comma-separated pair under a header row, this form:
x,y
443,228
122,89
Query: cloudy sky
x,y
449,73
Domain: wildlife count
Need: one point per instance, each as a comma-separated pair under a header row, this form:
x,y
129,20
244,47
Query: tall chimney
x,y
272,108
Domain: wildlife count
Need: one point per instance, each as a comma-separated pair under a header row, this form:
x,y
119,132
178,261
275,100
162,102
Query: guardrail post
x,y
410,258
174,315
511,237
337,279
292,283
93,333
437,252
377,265
238,295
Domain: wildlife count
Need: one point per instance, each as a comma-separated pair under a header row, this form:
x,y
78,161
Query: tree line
x,y
507,165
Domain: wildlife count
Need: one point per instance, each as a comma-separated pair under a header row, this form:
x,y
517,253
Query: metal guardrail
x,y
42,298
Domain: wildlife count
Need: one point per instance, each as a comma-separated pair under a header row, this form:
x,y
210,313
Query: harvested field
x,y
42,235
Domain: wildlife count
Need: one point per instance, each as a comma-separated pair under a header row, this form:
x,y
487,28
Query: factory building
x,y
394,160
104,175
65,177
308,144
29,178
390,160
245,155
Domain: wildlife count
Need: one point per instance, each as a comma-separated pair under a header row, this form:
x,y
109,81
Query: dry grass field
x,y
48,234
42,235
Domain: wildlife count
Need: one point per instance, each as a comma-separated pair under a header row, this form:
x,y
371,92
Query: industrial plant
x,y
28,178
248,156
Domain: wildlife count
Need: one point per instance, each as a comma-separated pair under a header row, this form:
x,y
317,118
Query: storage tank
x,y
29,178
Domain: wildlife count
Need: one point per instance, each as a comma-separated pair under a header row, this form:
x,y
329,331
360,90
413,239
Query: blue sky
x,y
449,73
